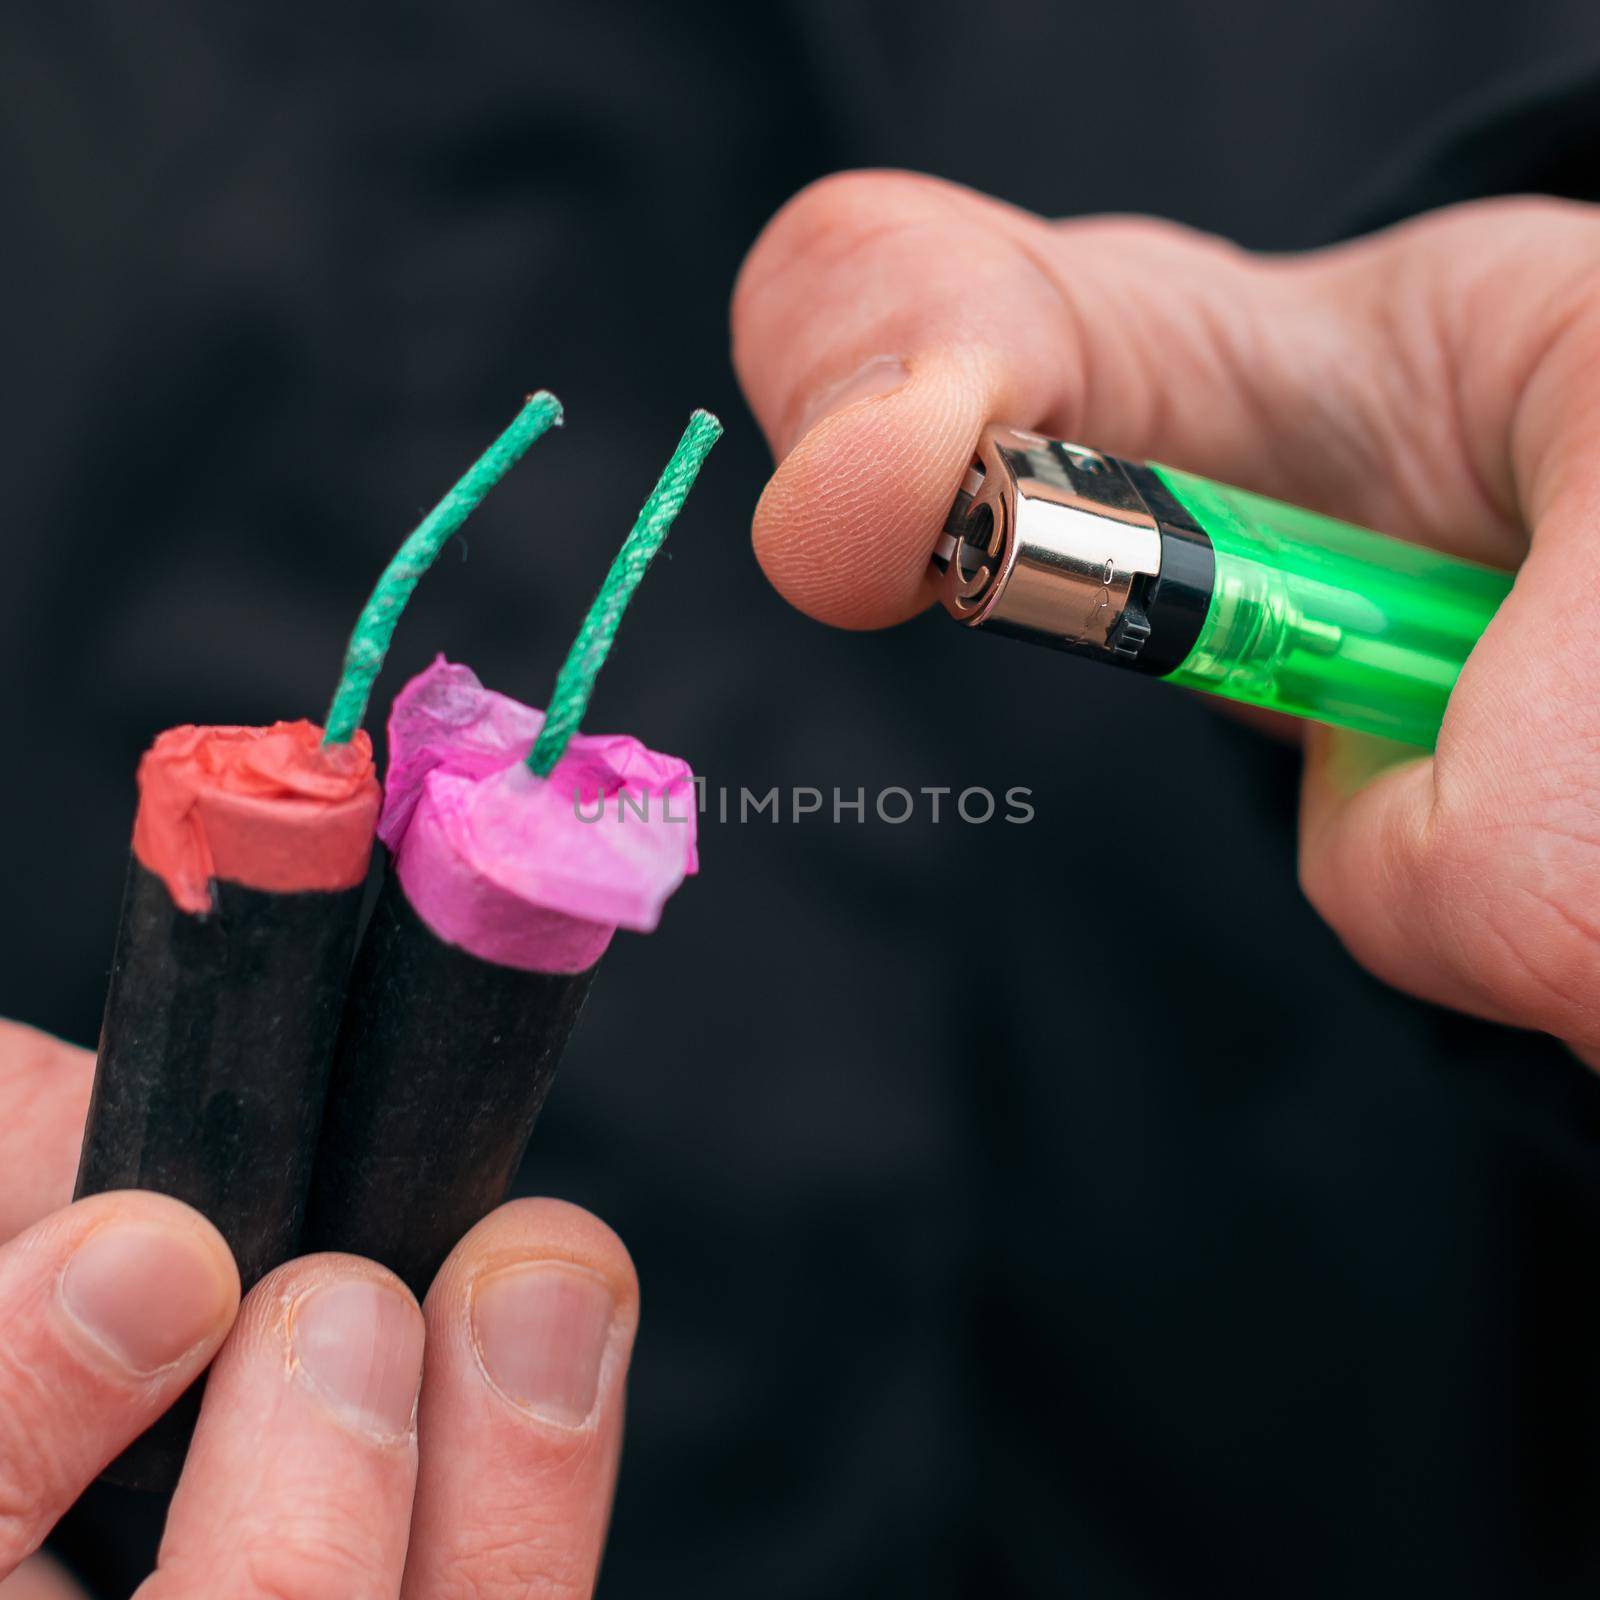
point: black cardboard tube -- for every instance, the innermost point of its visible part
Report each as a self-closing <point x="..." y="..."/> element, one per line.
<point x="443" y="1064"/>
<point x="214" y="1055"/>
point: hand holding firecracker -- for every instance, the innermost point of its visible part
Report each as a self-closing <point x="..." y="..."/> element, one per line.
<point x="305" y="1476"/>
<point x="250" y="853"/>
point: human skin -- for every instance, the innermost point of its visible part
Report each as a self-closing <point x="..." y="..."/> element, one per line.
<point x="1439" y="381"/>
<point x="351" y="1444"/>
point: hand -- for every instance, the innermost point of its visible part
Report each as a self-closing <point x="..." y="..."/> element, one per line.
<point x="305" y="1477"/>
<point x="1439" y="382"/>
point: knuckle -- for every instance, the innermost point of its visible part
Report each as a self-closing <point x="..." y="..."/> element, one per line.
<point x="20" y="1533"/>
<point x="300" y="1572"/>
<point x="1350" y="881"/>
<point x="1511" y="909"/>
<point x="285" y="1563"/>
<point x="1509" y="222"/>
<point x="32" y="1475"/>
<point x="520" y="1563"/>
<point x="1544" y="251"/>
<point x="845" y="203"/>
<point x="830" y="220"/>
<point x="272" y="1573"/>
<point x="1538" y="959"/>
<point x="1158" y="240"/>
<point x="1576" y="219"/>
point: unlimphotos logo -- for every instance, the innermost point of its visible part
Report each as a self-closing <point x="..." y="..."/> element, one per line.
<point x="894" y="805"/>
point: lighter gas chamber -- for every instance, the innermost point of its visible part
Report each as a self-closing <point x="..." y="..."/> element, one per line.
<point x="1209" y="586"/>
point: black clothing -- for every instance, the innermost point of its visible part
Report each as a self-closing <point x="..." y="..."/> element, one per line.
<point x="1012" y="1219"/>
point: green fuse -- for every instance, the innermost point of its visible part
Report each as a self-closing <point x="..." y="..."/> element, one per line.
<point x="1211" y="587"/>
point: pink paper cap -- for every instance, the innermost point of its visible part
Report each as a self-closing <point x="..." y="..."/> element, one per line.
<point x="528" y="872"/>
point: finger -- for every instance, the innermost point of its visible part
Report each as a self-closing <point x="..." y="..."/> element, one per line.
<point x="530" y="1327"/>
<point x="879" y="321"/>
<point x="882" y="319"/>
<point x="300" y="1476"/>
<point x="40" y="1578"/>
<point x="1471" y="879"/>
<point x="112" y="1308"/>
<point x="44" y="1100"/>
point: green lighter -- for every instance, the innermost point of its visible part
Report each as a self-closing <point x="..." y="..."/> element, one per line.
<point x="1210" y="587"/>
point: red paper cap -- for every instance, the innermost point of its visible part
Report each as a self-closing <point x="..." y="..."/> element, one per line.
<point x="271" y="808"/>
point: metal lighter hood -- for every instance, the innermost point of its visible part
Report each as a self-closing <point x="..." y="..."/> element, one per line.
<point x="1065" y="546"/>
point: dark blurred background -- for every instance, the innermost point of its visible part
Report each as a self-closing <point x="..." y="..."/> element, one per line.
<point x="1020" y="1210"/>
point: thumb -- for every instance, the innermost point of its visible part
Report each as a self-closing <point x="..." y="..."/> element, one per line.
<point x="112" y="1307"/>
<point x="879" y="322"/>
<point x="883" y="318"/>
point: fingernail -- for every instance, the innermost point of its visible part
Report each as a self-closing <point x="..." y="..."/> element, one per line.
<point x="871" y="381"/>
<point x="359" y="1345"/>
<point x="149" y="1295"/>
<point x="541" y="1332"/>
